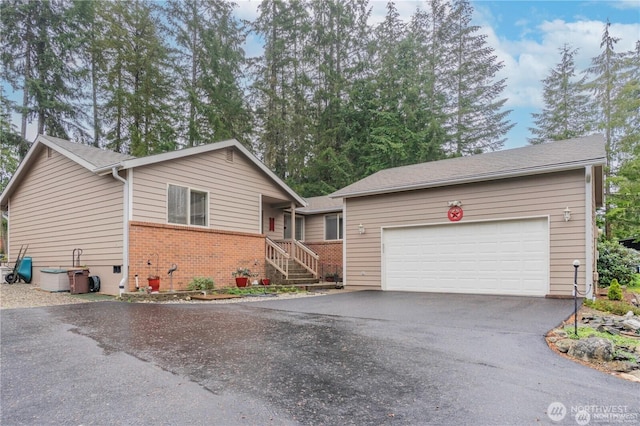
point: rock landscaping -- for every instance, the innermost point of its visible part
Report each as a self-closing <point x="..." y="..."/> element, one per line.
<point x="610" y="343"/>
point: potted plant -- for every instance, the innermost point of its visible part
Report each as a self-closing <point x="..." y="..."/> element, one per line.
<point x="242" y="276"/>
<point x="265" y="281"/>
<point x="153" y="279"/>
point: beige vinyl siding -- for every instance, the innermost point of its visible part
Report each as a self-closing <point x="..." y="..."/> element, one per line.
<point x="61" y="206"/>
<point x="278" y="215"/>
<point x="314" y="227"/>
<point x="537" y="196"/>
<point x="233" y="187"/>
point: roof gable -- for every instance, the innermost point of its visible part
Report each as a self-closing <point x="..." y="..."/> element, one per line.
<point x="554" y="156"/>
<point x="100" y="161"/>
<point x="90" y="157"/>
<point x="231" y="143"/>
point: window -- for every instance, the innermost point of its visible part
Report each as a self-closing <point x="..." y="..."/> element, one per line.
<point x="186" y="206"/>
<point x="333" y="227"/>
<point x="299" y="227"/>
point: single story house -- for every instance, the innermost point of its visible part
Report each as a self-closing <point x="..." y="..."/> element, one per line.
<point x="508" y="222"/>
<point x="209" y="209"/>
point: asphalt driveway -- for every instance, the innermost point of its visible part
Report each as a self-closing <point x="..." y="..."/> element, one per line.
<point x="362" y="358"/>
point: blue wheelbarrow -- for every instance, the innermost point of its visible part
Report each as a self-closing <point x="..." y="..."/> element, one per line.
<point x="22" y="270"/>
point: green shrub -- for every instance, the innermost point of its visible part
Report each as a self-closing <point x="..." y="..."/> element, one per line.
<point x="201" y="283"/>
<point x="615" y="291"/>
<point x="615" y="308"/>
<point x="616" y="261"/>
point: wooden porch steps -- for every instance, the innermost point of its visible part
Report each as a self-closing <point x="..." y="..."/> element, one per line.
<point x="298" y="276"/>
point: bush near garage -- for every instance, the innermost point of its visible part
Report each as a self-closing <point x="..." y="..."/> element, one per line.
<point x="616" y="262"/>
<point x="615" y="291"/>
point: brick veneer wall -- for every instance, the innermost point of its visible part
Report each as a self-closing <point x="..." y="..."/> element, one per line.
<point x="197" y="252"/>
<point x="330" y="253"/>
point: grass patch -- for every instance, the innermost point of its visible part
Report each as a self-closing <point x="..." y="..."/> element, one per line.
<point x="93" y="297"/>
<point x="242" y="291"/>
<point x="612" y="307"/>
<point x="584" y="332"/>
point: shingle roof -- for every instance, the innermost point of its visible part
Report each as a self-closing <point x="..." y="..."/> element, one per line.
<point x="95" y="157"/>
<point x="529" y="160"/>
<point x="321" y="204"/>
<point x="101" y="161"/>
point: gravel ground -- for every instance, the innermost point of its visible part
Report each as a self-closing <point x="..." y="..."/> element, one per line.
<point x="14" y="296"/>
<point x="29" y="296"/>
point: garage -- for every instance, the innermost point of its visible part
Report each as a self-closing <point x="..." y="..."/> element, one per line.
<point x="507" y="222"/>
<point x="509" y="257"/>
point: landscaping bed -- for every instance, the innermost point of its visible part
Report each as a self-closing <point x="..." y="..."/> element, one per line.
<point x="608" y="337"/>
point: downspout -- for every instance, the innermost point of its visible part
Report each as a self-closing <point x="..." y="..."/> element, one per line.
<point x="125" y="230"/>
<point x="590" y="238"/>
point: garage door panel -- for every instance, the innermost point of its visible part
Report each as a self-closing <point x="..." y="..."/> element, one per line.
<point x="501" y="257"/>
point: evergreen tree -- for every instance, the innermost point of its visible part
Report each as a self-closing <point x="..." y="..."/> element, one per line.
<point x="564" y="115"/>
<point x="138" y="116"/>
<point x="476" y="119"/>
<point x="10" y="142"/>
<point x="210" y="62"/>
<point x="340" y="39"/>
<point x="388" y="117"/>
<point x="38" y="57"/>
<point x="624" y="212"/>
<point x="88" y="21"/>
<point x="604" y="71"/>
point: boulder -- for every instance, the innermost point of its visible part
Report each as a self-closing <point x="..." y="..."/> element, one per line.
<point x="607" y="329"/>
<point x="564" y="345"/>
<point x="622" y="366"/>
<point x="560" y="333"/>
<point x="592" y="349"/>
<point x="631" y="324"/>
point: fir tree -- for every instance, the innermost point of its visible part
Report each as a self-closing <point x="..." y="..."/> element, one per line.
<point x="38" y="57"/>
<point x="564" y="115"/>
<point x="604" y="72"/>
<point x="210" y="62"/>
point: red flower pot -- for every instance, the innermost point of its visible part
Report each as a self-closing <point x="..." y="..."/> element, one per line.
<point x="154" y="283"/>
<point x="242" y="281"/>
<point x="266" y="281"/>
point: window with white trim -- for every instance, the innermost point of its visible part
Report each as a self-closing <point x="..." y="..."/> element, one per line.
<point x="333" y="226"/>
<point x="186" y="206"/>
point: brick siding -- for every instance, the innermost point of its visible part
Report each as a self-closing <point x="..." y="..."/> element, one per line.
<point x="197" y="252"/>
<point x="330" y="253"/>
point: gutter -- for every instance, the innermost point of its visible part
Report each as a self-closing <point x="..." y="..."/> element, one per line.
<point x="125" y="230"/>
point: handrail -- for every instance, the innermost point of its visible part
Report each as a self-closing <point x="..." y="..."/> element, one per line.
<point x="280" y="252"/>
<point x="306" y="257"/>
<point x="277" y="257"/>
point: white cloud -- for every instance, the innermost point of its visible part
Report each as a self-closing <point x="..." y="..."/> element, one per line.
<point x="527" y="61"/>
<point x="247" y="9"/>
<point x="626" y="4"/>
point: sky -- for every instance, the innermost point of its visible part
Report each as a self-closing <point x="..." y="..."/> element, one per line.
<point x="525" y="35"/>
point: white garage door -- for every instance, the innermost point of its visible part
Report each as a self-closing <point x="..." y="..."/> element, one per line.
<point x="502" y="257"/>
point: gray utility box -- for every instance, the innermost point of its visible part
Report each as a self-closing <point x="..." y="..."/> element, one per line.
<point x="53" y="279"/>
